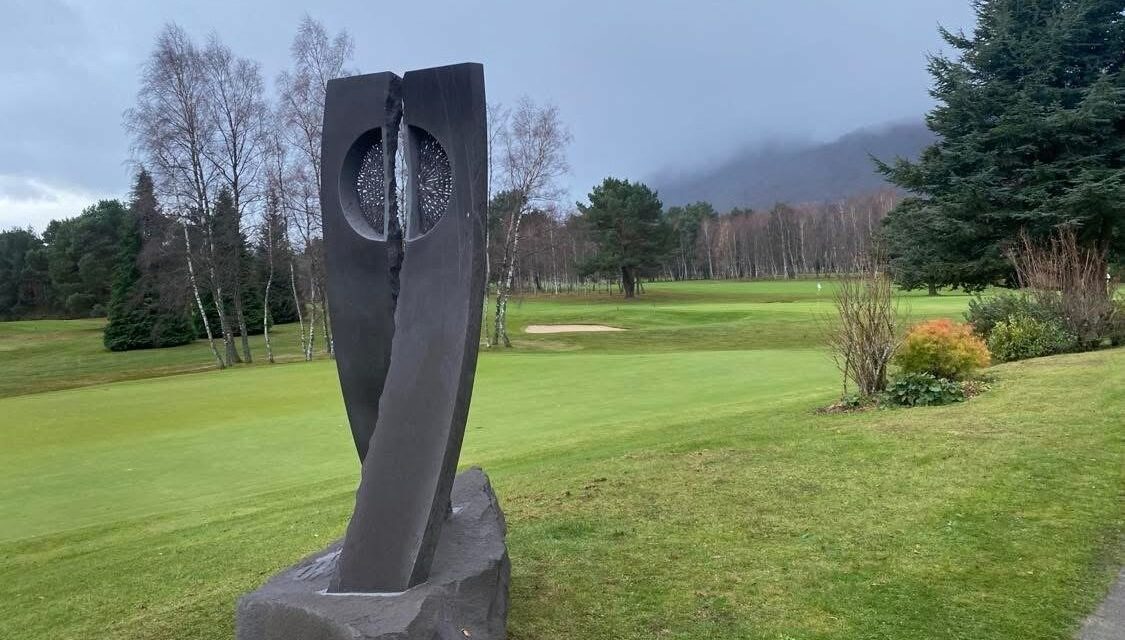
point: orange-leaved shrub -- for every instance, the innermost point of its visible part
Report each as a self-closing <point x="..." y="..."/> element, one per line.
<point x="943" y="348"/>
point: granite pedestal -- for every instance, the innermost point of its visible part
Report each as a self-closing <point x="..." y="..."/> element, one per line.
<point x="466" y="595"/>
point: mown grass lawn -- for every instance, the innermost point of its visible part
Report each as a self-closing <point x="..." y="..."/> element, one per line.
<point x="668" y="481"/>
<point x="45" y="355"/>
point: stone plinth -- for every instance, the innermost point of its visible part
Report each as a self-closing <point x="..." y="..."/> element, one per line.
<point x="466" y="595"/>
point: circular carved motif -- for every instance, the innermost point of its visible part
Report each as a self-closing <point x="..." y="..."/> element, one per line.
<point x="434" y="181"/>
<point x="370" y="186"/>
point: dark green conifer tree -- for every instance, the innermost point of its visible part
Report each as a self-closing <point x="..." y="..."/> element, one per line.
<point x="627" y="224"/>
<point x="25" y="286"/>
<point x="137" y="319"/>
<point x="1031" y="119"/>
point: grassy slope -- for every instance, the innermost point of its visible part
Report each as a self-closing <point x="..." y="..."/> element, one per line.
<point x="44" y="355"/>
<point x="663" y="484"/>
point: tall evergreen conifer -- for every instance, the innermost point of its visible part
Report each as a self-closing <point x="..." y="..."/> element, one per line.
<point x="1031" y="119"/>
<point x="137" y="320"/>
<point x="626" y="222"/>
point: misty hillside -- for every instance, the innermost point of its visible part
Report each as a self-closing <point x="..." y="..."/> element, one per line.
<point x="765" y="175"/>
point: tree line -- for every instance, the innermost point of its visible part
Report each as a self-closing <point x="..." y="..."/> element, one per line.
<point x="570" y="251"/>
<point x="66" y="271"/>
<point x="72" y="269"/>
<point x="126" y="261"/>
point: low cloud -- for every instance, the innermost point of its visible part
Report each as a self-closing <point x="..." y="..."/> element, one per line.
<point x="31" y="202"/>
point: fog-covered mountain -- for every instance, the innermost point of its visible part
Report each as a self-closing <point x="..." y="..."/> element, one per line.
<point x="764" y="175"/>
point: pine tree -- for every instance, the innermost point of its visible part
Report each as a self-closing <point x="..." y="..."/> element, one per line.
<point x="627" y="224"/>
<point x="1031" y="125"/>
<point x="137" y="320"/>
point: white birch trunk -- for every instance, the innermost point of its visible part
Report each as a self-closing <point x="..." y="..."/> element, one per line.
<point x="198" y="299"/>
<point x="503" y="290"/>
<point x="297" y="302"/>
<point x="266" y="317"/>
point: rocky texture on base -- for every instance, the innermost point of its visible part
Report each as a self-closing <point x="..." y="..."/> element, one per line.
<point x="466" y="595"/>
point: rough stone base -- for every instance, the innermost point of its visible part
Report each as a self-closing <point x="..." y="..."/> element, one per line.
<point x="465" y="597"/>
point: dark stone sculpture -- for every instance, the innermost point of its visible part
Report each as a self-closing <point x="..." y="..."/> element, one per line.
<point x="414" y="435"/>
<point x="405" y="304"/>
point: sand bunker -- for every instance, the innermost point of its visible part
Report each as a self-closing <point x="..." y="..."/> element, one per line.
<point x="569" y="328"/>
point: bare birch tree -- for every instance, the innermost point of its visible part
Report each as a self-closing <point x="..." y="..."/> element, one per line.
<point x="275" y="228"/>
<point x="317" y="58"/>
<point x="172" y="132"/>
<point x="272" y="234"/>
<point x="238" y="110"/>
<point x="533" y="158"/>
<point x="497" y="124"/>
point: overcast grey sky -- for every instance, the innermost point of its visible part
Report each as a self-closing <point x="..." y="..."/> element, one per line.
<point x="644" y="85"/>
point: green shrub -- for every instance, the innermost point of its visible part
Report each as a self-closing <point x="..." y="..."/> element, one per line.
<point x="1117" y="324"/>
<point x="943" y="348"/>
<point x="986" y="313"/>
<point x="923" y="389"/>
<point x="1021" y="337"/>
